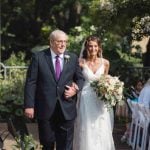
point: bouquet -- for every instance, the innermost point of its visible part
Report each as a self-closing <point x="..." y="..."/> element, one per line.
<point x="109" y="89"/>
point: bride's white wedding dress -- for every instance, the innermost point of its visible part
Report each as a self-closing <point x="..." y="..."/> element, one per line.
<point x="93" y="128"/>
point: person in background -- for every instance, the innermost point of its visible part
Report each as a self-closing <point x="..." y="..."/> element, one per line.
<point x="135" y="90"/>
<point x="144" y="96"/>
<point x="133" y="95"/>
<point x="53" y="80"/>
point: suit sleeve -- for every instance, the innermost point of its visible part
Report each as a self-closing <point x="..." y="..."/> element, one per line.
<point x="31" y="83"/>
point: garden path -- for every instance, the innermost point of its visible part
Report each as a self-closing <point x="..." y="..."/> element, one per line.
<point x="119" y="129"/>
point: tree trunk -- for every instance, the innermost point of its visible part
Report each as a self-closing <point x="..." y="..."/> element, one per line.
<point x="146" y="56"/>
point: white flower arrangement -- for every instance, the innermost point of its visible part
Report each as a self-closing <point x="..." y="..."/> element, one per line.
<point x="141" y="27"/>
<point x="109" y="89"/>
<point x="67" y="58"/>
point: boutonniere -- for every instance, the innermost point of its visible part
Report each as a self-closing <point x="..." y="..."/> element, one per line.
<point x="67" y="58"/>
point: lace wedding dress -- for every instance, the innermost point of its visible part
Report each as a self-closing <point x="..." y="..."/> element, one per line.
<point x="93" y="127"/>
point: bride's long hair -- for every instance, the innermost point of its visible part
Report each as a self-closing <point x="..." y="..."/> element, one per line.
<point x="83" y="53"/>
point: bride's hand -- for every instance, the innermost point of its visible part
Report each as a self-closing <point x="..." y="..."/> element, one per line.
<point x="69" y="91"/>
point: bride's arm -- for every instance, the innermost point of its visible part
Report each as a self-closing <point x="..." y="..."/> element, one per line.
<point x="107" y="66"/>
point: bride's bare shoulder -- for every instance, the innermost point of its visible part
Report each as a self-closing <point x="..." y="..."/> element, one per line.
<point x="107" y="65"/>
<point x="106" y="62"/>
<point x="82" y="62"/>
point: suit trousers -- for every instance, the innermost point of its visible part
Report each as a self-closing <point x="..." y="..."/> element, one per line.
<point x="56" y="130"/>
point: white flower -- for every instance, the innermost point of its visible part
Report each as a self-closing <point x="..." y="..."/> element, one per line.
<point x="93" y="28"/>
<point x="78" y="28"/>
<point x="66" y="57"/>
<point x="109" y="89"/>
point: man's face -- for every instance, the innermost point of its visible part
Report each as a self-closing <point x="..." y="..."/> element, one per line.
<point x="58" y="45"/>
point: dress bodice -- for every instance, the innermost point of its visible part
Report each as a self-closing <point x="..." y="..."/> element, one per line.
<point x="89" y="75"/>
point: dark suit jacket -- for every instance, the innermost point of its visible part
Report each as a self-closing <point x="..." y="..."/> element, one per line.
<point x="42" y="90"/>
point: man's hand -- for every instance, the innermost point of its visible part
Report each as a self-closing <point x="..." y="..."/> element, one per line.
<point x="71" y="90"/>
<point x="29" y="112"/>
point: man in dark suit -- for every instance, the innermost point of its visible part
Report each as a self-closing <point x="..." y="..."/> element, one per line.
<point x="53" y="80"/>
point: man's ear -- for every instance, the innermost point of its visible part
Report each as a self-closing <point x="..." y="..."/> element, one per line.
<point x="51" y="42"/>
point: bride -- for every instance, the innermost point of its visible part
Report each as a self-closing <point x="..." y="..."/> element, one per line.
<point x="93" y="127"/>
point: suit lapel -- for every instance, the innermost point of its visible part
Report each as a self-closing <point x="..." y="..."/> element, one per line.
<point x="50" y="63"/>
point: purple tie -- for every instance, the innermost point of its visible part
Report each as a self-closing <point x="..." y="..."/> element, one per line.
<point x="57" y="67"/>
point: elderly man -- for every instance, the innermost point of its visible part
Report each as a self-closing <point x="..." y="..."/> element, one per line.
<point x="53" y="80"/>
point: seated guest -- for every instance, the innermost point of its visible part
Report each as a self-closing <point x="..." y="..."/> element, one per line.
<point x="135" y="90"/>
<point x="133" y="95"/>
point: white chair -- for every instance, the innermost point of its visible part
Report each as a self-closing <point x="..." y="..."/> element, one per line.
<point x="134" y="123"/>
<point x="142" y="128"/>
<point x="146" y="143"/>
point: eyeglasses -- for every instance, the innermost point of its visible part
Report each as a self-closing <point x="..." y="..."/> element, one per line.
<point x="61" y="41"/>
